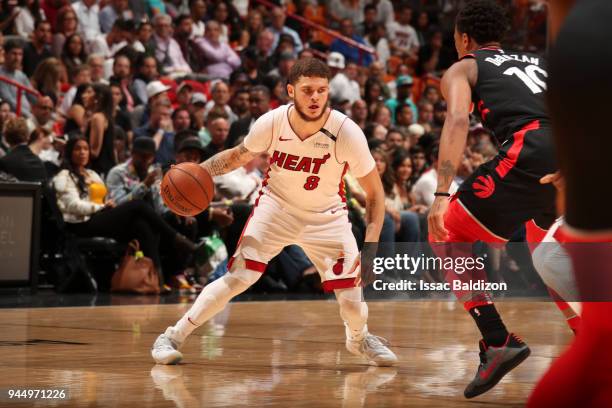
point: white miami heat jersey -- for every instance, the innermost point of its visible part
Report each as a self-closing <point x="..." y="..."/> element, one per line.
<point x="308" y="174"/>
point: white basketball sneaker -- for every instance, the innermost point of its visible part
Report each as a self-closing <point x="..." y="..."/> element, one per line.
<point x="165" y="348"/>
<point x="372" y="348"/>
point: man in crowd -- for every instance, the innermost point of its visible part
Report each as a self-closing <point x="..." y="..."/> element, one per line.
<point x="38" y="48"/>
<point x="87" y="12"/>
<point x="13" y="58"/>
<point x="351" y="53"/>
<point x="220" y="99"/>
<point x="259" y="103"/>
<point x="218" y="128"/>
<point x="159" y="128"/>
<point x="343" y="85"/>
<point x="167" y="51"/>
<point x="20" y="161"/>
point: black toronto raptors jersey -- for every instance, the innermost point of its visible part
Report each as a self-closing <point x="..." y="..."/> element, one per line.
<point x="509" y="92"/>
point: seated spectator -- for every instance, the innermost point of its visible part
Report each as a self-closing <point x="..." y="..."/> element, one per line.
<point x="80" y="111"/>
<point x="38" y="48"/>
<point x="159" y="128"/>
<point x="11" y="69"/>
<point x="146" y="72"/>
<point x="220" y="100"/>
<point x="156" y="91"/>
<point x="197" y="10"/>
<point x="87" y="12"/>
<point x="404" y="118"/>
<point x="112" y="11"/>
<point x="259" y="103"/>
<point x="66" y="25"/>
<point x="47" y="77"/>
<point x="167" y="51"/>
<point x="82" y="76"/>
<point x="95" y="62"/>
<point x="342" y="85"/>
<point x="122" y="76"/>
<point x="394" y="141"/>
<point x="73" y="53"/>
<point x="403" y="37"/>
<point x="81" y="198"/>
<point x="29" y="14"/>
<point x="107" y="45"/>
<point x="405" y="224"/>
<point x="278" y="27"/>
<point x="42" y="114"/>
<point x="43" y="144"/>
<point x="221" y="58"/>
<point x="193" y="53"/>
<point x="419" y="160"/>
<point x="120" y="117"/>
<point x="100" y="131"/>
<point x="359" y="113"/>
<point x="426" y="112"/>
<point x="351" y="53"/>
<point x="20" y="161"/>
<point x="382" y="116"/>
<point x="181" y="120"/>
<point x="240" y="103"/>
<point x="218" y="129"/>
<point x="377" y="39"/>
<point x="404" y="89"/>
<point x="402" y="169"/>
<point x="434" y="58"/>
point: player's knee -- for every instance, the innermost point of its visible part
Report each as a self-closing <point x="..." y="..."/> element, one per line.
<point x="351" y="303"/>
<point x="241" y="279"/>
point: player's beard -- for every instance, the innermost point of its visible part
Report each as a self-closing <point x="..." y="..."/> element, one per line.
<point x="302" y="112"/>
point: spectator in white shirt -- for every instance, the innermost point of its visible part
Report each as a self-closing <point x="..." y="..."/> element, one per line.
<point x="402" y="36"/>
<point x="112" y="11"/>
<point x="343" y="85"/>
<point x="87" y="13"/>
<point x="197" y="9"/>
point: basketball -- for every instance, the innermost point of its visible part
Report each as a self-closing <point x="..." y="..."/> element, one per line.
<point x="187" y="189"/>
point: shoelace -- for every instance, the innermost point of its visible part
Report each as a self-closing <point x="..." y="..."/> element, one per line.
<point x="520" y="340"/>
<point x="373" y="340"/>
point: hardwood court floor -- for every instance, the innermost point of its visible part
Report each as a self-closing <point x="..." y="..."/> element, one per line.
<point x="266" y="354"/>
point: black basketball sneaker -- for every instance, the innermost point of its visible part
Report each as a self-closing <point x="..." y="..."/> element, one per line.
<point x="495" y="363"/>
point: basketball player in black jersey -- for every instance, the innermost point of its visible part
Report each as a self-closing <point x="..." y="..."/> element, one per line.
<point x="506" y="90"/>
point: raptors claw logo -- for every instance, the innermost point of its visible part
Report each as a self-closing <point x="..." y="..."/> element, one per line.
<point x="483" y="186"/>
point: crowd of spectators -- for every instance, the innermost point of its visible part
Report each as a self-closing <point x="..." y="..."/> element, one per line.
<point x="125" y="88"/>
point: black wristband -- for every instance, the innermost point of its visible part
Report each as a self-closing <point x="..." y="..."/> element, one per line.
<point x="437" y="194"/>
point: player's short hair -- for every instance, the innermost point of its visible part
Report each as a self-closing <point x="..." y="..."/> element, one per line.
<point x="308" y="67"/>
<point x="483" y="20"/>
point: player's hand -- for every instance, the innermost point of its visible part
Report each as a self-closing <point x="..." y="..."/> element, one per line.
<point x="435" y="219"/>
<point x="558" y="181"/>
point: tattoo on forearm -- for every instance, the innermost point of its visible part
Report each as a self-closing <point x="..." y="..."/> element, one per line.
<point x="446" y="173"/>
<point x="227" y="161"/>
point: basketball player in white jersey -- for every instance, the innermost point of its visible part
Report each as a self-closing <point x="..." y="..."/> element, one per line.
<point x="301" y="202"/>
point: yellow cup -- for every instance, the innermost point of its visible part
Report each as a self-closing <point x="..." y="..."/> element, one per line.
<point x="97" y="192"/>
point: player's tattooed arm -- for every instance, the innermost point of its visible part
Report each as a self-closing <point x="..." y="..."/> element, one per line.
<point x="458" y="93"/>
<point x="228" y="160"/>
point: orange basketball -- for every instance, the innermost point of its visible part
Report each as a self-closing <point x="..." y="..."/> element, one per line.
<point x="187" y="189"/>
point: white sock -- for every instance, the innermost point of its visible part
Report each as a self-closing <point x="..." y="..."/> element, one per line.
<point x="354" y="312"/>
<point x="213" y="299"/>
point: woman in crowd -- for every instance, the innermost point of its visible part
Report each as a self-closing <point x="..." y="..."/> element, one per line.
<point x="81" y="199"/>
<point x="80" y="112"/>
<point x="66" y="25"/>
<point x="47" y="77"/>
<point x="402" y="170"/>
<point x="100" y="130"/>
<point x="405" y="223"/>
<point x="29" y="14"/>
<point x="73" y="53"/>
